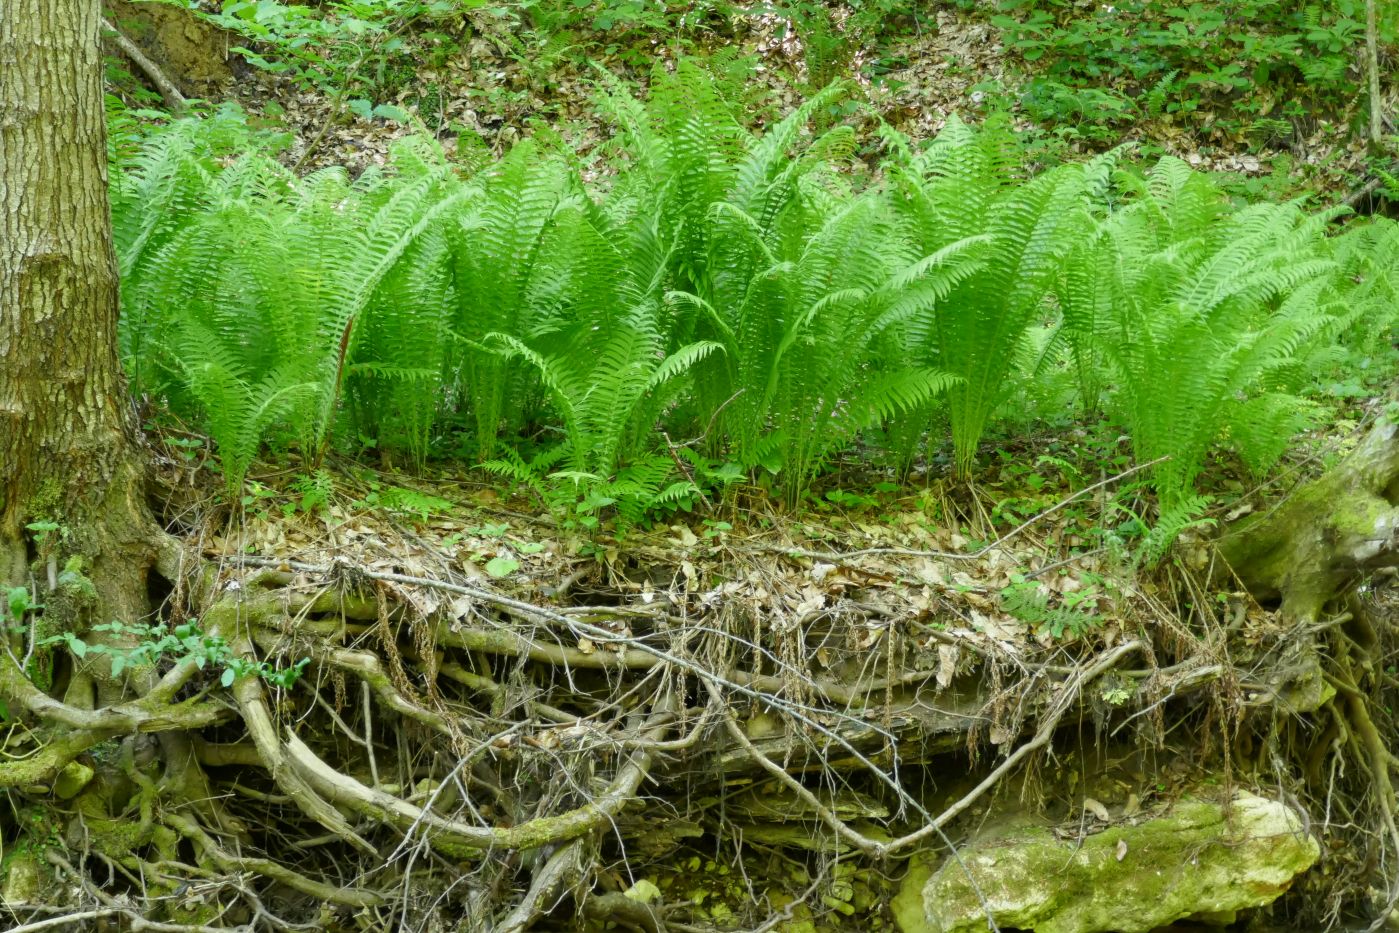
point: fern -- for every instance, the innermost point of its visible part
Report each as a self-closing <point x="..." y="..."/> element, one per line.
<point x="239" y="407"/>
<point x="1207" y="311"/>
<point x="600" y="397"/>
<point x="802" y="341"/>
<point x="964" y="186"/>
<point x="1179" y="514"/>
<point x="731" y="287"/>
<point x="501" y="283"/>
<point x="259" y="291"/>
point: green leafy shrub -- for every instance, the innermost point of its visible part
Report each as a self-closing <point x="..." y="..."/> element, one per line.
<point x="335" y="47"/>
<point x="1251" y="60"/>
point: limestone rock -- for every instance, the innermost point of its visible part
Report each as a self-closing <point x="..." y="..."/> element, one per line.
<point x="25" y="877"/>
<point x="1189" y="862"/>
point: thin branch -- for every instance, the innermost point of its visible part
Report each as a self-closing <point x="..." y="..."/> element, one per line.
<point x="66" y="921"/>
<point x="171" y="94"/>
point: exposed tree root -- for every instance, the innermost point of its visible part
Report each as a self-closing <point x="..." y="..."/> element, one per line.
<point x="449" y="814"/>
<point x="495" y="762"/>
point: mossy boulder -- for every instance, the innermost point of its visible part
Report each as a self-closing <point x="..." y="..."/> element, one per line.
<point x="24" y="877"/>
<point x="1190" y="862"/>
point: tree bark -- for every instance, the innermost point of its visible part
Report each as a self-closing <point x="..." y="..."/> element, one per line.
<point x="1372" y="71"/>
<point x="69" y="451"/>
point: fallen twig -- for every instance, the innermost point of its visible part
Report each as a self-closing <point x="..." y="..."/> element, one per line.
<point x="168" y="91"/>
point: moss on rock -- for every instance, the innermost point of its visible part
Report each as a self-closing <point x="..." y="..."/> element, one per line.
<point x="26" y="876"/>
<point x="1192" y="862"/>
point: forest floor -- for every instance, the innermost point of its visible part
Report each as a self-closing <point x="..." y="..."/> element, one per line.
<point x="487" y="88"/>
<point x="900" y="648"/>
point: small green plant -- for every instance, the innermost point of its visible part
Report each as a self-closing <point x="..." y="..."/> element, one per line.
<point x="1073" y="612"/>
<point x="257" y="499"/>
<point x="1116" y="692"/>
<point x="186" y="641"/>
<point x="18" y="602"/>
<point x="42" y="530"/>
<point x="332" y="46"/>
<point x="852" y="501"/>
<point x="313" y="493"/>
<point x="189" y="448"/>
<point x="1169" y="60"/>
<point x="715" y="530"/>
<point x="637" y="494"/>
<point x="403" y="501"/>
<point x="501" y="566"/>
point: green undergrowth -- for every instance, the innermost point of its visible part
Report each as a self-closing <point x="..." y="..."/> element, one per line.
<point x="727" y="307"/>
<point x="1256" y="71"/>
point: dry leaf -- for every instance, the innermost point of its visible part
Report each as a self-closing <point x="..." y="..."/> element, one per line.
<point x="1097" y="809"/>
<point x="947" y="664"/>
<point x="812" y="600"/>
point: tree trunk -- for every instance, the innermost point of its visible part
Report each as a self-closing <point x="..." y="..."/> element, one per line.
<point x="68" y="439"/>
<point x="1372" y="71"/>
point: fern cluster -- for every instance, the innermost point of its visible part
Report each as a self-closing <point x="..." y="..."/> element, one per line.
<point x="725" y="296"/>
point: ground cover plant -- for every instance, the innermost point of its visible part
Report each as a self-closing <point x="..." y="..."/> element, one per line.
<point x="737" y="287"/>
<point x="1277" y="92"/>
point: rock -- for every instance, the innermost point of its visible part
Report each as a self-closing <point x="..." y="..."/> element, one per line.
<point x="25" y="876"/>
<point x="1188" y="863"/>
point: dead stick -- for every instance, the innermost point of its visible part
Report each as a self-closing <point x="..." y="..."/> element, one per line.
<point x="171" y="94"/>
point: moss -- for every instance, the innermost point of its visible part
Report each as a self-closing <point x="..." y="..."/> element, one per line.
<point x="70" y="606"/>
<point x="106" y="753"/>
<point x="166" y="842"/>
<point x="75" y="581"/>
<point x="116" y="838"/>
<point x="455" y="850"/>
<point x="119" y="836"/>
<point x="1189" y="862"/>
<point x="196" y="914"/>
<point x="45" y="501"/>
<point x="39" y="669"/>
<point x="75" y="589"/>
<point x="1358" y="516"/>
<point x="907" y="904"/>
<point x="26" y="877"/>
<point x="32" y="773"/>
<point x="72" y="779"/>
